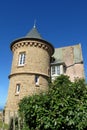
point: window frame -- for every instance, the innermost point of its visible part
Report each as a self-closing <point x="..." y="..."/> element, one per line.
<point x="37" y="80"/>
<point x="55" y="70"/>
<point x="21" y="58"/>
<point x="17" y="88"/>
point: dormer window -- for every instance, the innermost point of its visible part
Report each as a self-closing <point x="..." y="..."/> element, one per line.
<point x="21" y="60"/>
<point x="55" y="70"/>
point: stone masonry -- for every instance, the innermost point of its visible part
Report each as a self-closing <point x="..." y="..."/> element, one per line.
<point x="37" y="56"/>
<point x="37" y="62"/>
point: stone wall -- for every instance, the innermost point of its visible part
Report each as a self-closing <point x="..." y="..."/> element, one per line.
<point x="72" y="56"/>
<point x="37" y="62"/>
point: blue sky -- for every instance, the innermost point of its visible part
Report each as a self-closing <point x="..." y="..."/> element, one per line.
<point x="61" y="22"/>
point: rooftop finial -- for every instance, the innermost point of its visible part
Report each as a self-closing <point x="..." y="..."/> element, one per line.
<point x="34" y="23"/>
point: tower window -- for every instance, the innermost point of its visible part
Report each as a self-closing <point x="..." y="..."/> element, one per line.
<point x="21" y="58"/>
<point x="17" y="88"/>
<point x="36" y="79"/>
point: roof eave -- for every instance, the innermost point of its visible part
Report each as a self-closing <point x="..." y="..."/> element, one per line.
<point x="26" y="38"/>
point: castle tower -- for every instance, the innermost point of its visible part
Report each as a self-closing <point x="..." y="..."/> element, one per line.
<point x="30" y="69"/>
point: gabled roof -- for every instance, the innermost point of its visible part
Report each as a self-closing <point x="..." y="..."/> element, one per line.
<point x="58" y="55"/>
<point x="33" y="33"/>
<point x="61" y="54"/>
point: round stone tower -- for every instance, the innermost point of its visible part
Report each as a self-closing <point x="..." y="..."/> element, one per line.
<point x="30" y="69"/>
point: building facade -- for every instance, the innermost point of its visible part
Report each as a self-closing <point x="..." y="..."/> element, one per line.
<point x="68" y="61"/>
<point x="34" y="61"/>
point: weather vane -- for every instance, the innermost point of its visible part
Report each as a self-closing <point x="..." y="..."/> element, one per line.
<point x="34" y="23"/>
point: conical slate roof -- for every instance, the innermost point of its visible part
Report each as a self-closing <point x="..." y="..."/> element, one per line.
<point x="33" y="33"/>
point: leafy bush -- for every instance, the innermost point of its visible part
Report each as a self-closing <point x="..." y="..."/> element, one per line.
<point x="64" y="107"/>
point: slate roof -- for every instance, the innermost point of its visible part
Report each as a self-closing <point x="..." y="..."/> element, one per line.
<point x="59" y="52"/>
<point x="33" y="33"/>
<point x="58" y="56"/>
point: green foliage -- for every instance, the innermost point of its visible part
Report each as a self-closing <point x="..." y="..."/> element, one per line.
<point x="64" y="107"/>
<point x="5" y="126"/>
